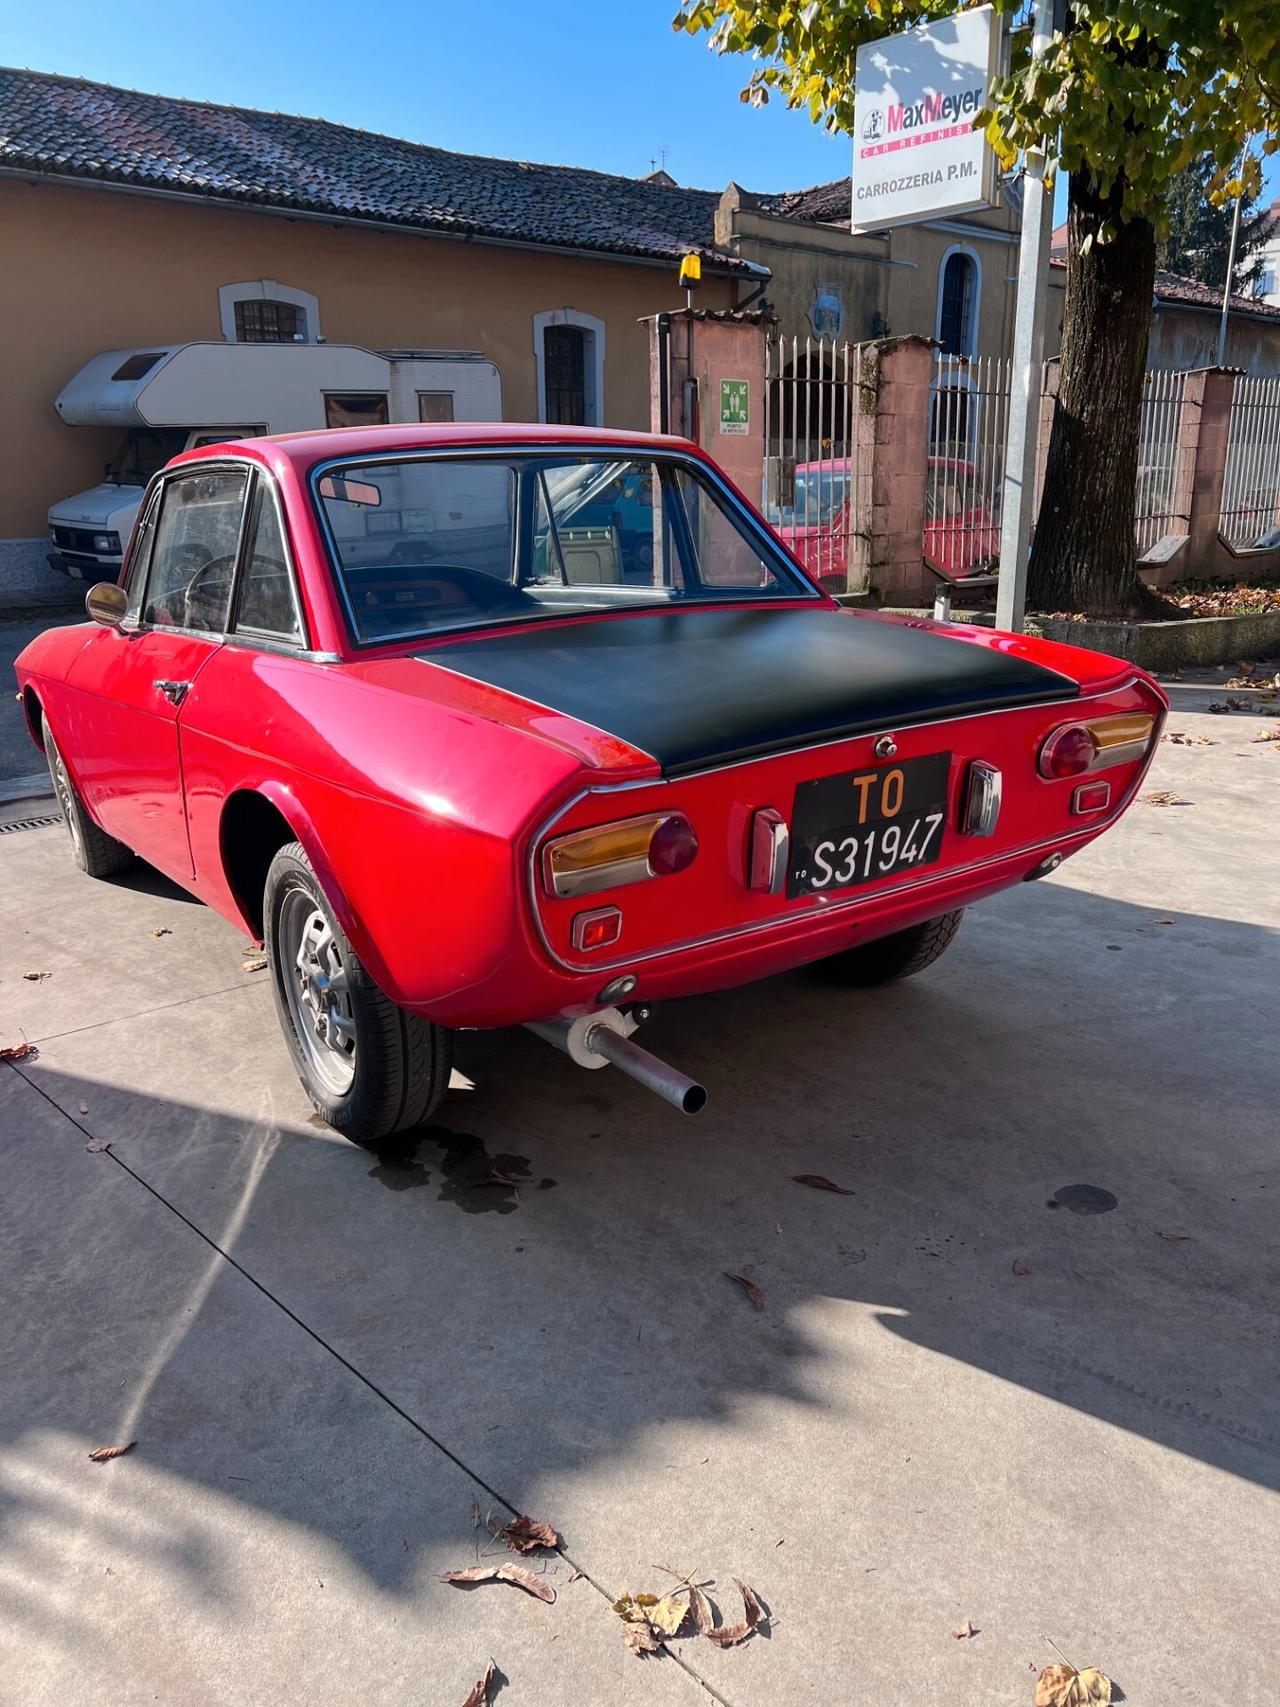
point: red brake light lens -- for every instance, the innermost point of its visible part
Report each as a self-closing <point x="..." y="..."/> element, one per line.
<point x="1069" y="751"/>
<point x="674" y="847"/>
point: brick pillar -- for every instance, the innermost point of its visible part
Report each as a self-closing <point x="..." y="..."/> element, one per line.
<point x="721" y="353"/>
<point x="1044" y="431"/>
<point x="898" y="467"/>
<point x="1205" y="554"/>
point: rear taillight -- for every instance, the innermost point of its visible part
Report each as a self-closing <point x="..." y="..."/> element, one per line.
<point x="1073" y="749"/>
<point x="612" y="855"/>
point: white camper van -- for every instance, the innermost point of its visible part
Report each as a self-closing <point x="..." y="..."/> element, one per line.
<point x="171" y="397"/>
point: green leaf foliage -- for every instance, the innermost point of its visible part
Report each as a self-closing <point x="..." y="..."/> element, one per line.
<point x="1133" y="92"/>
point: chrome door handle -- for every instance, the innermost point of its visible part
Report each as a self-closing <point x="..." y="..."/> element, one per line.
<point x="174" y="692"/>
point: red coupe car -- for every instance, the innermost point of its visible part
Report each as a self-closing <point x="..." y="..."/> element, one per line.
<point x="396" y="703"/>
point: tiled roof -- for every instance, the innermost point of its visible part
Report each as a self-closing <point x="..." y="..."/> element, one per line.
<point x="1181" y="292"/>
<point x="824" y="204"/>
<point x="832" y="204"/>
<point x="64" y="126"/>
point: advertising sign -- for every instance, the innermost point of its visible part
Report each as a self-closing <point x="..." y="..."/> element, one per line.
<point x="734" y="405"/>
<point x="916" y="154"/>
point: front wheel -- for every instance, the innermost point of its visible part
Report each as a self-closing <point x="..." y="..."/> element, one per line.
<point x="369" y="1067"/>
<point x="897" y="956"/>
<point x="93" y="850"/>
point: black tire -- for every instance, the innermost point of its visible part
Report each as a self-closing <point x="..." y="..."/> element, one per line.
<point x="399" y="1064"/>
<point x="898" y="956"/>
<point x="93" y="850"/>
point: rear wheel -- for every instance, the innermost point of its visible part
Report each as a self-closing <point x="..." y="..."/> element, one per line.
<point x="897" y="956"/>
<point x="93" y="850"/>
<point x="369" y="1067"/>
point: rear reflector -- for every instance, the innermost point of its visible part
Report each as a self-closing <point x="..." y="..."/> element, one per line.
<point x="597" y="929"/>
<point x="1091" y="797"/>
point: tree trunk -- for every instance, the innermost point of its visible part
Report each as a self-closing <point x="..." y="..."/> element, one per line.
<point x="1083" y="554"/>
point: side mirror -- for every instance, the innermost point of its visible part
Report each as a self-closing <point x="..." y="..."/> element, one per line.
<point x="107" y="603"/>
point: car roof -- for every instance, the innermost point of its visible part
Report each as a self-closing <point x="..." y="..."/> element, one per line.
<point x="304" y="449"/>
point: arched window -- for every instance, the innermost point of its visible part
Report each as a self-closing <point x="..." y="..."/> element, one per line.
<point x="568" y="350"/>
<point x="264" y="311"/>
<point x="959" y="296"/>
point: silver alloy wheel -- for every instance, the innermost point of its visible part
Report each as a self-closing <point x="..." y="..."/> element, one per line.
<point x="67" y="801"/>
<point x="318" y="991"/>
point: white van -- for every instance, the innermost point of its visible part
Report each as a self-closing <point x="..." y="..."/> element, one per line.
<point x="171" y="397"/>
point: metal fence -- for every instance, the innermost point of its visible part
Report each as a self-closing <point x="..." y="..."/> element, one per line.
<point x="1250" y="511"/>
<point x="811" y="451"/>
<point x="968" y="431"/>
<point x="1163" y="493"/>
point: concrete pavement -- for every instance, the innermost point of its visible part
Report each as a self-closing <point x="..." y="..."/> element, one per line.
<point x="326" y="1354"/>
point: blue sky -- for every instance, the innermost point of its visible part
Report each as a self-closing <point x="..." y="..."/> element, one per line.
<point x="603" y="83"/>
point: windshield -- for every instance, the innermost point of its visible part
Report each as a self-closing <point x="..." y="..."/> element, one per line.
<point x="424" y="545"/>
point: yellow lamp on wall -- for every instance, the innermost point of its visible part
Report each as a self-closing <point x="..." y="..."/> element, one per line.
<point x="691" y="271"/>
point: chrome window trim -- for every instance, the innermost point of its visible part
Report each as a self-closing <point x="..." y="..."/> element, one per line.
<point x="261" y="642"/>
<point x="805" y="589"/>
<point x="821" y="906"/>
<point x="265" y="483"/>
<point x="166" y="478"/>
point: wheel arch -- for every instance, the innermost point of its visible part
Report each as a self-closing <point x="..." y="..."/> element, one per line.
<point x="254" y="824"/>
<point x="33" y="712"/>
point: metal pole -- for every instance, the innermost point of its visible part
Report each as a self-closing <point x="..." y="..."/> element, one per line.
<point x="1231" y="259"/>
<point x="1017" y="512"/>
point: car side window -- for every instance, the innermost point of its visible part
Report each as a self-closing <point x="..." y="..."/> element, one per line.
<point x="267" y="605"/>
<point x="193" y="556"/>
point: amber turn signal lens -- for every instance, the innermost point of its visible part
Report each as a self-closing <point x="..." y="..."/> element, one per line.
<point x="1075" y="748"/>
<point x="618" y="854"/>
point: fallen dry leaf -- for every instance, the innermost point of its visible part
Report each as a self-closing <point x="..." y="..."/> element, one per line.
<point x="255" y="963"/>
<point x="1180" y="739"/>
<point x="102" y="1454"/>
<point x="728" y="1635"/>
<point x="964" y="1630"/>
<point x="821" y="1183"/>
<point x="537" y="1586"/>
<point x="669" y="1614"/>
<point x="1064" y="1686"/>
<point x="162" y="930"/>
<point x="700" y="1610"/>
<point x="36" y="977"/>
<point x="1021" y="1265"/>
<point x="19" y="1052"/>
<point x="1173" y="1238"/>
<point x="84" y="1107"/>
<point x="1165" y="797"/>
<point x="638" y="1634"/>
<point x="639" y="1637"/>
<point x="1268" y="735"/>
<point x="752" y="1291"/>
<point x="478" y="1695"/>
<point x="96" y="1146"/>
<point x="524" y="1535"/>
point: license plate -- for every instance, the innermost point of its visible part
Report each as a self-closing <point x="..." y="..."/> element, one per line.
<point x="864" y="825"/>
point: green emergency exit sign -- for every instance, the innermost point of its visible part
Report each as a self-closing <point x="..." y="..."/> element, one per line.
<point x="734" y="405"/>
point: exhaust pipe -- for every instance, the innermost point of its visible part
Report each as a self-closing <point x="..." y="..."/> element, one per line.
<point x="599" y="1040"/>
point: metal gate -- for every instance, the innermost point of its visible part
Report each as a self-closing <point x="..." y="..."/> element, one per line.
<point x="810" y="487"/>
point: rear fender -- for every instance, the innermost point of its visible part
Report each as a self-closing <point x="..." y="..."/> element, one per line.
<point x="299" y="820"/>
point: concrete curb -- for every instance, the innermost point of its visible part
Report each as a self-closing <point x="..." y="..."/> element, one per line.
<point x="1198" y="641"/>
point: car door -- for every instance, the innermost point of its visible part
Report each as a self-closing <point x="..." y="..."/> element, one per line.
<point x="129" y="683"/>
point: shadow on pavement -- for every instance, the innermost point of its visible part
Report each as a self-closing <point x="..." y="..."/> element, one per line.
<point x="1068" y="1041"/>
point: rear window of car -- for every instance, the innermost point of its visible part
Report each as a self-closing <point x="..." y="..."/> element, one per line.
<point x="424" y="545"/>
